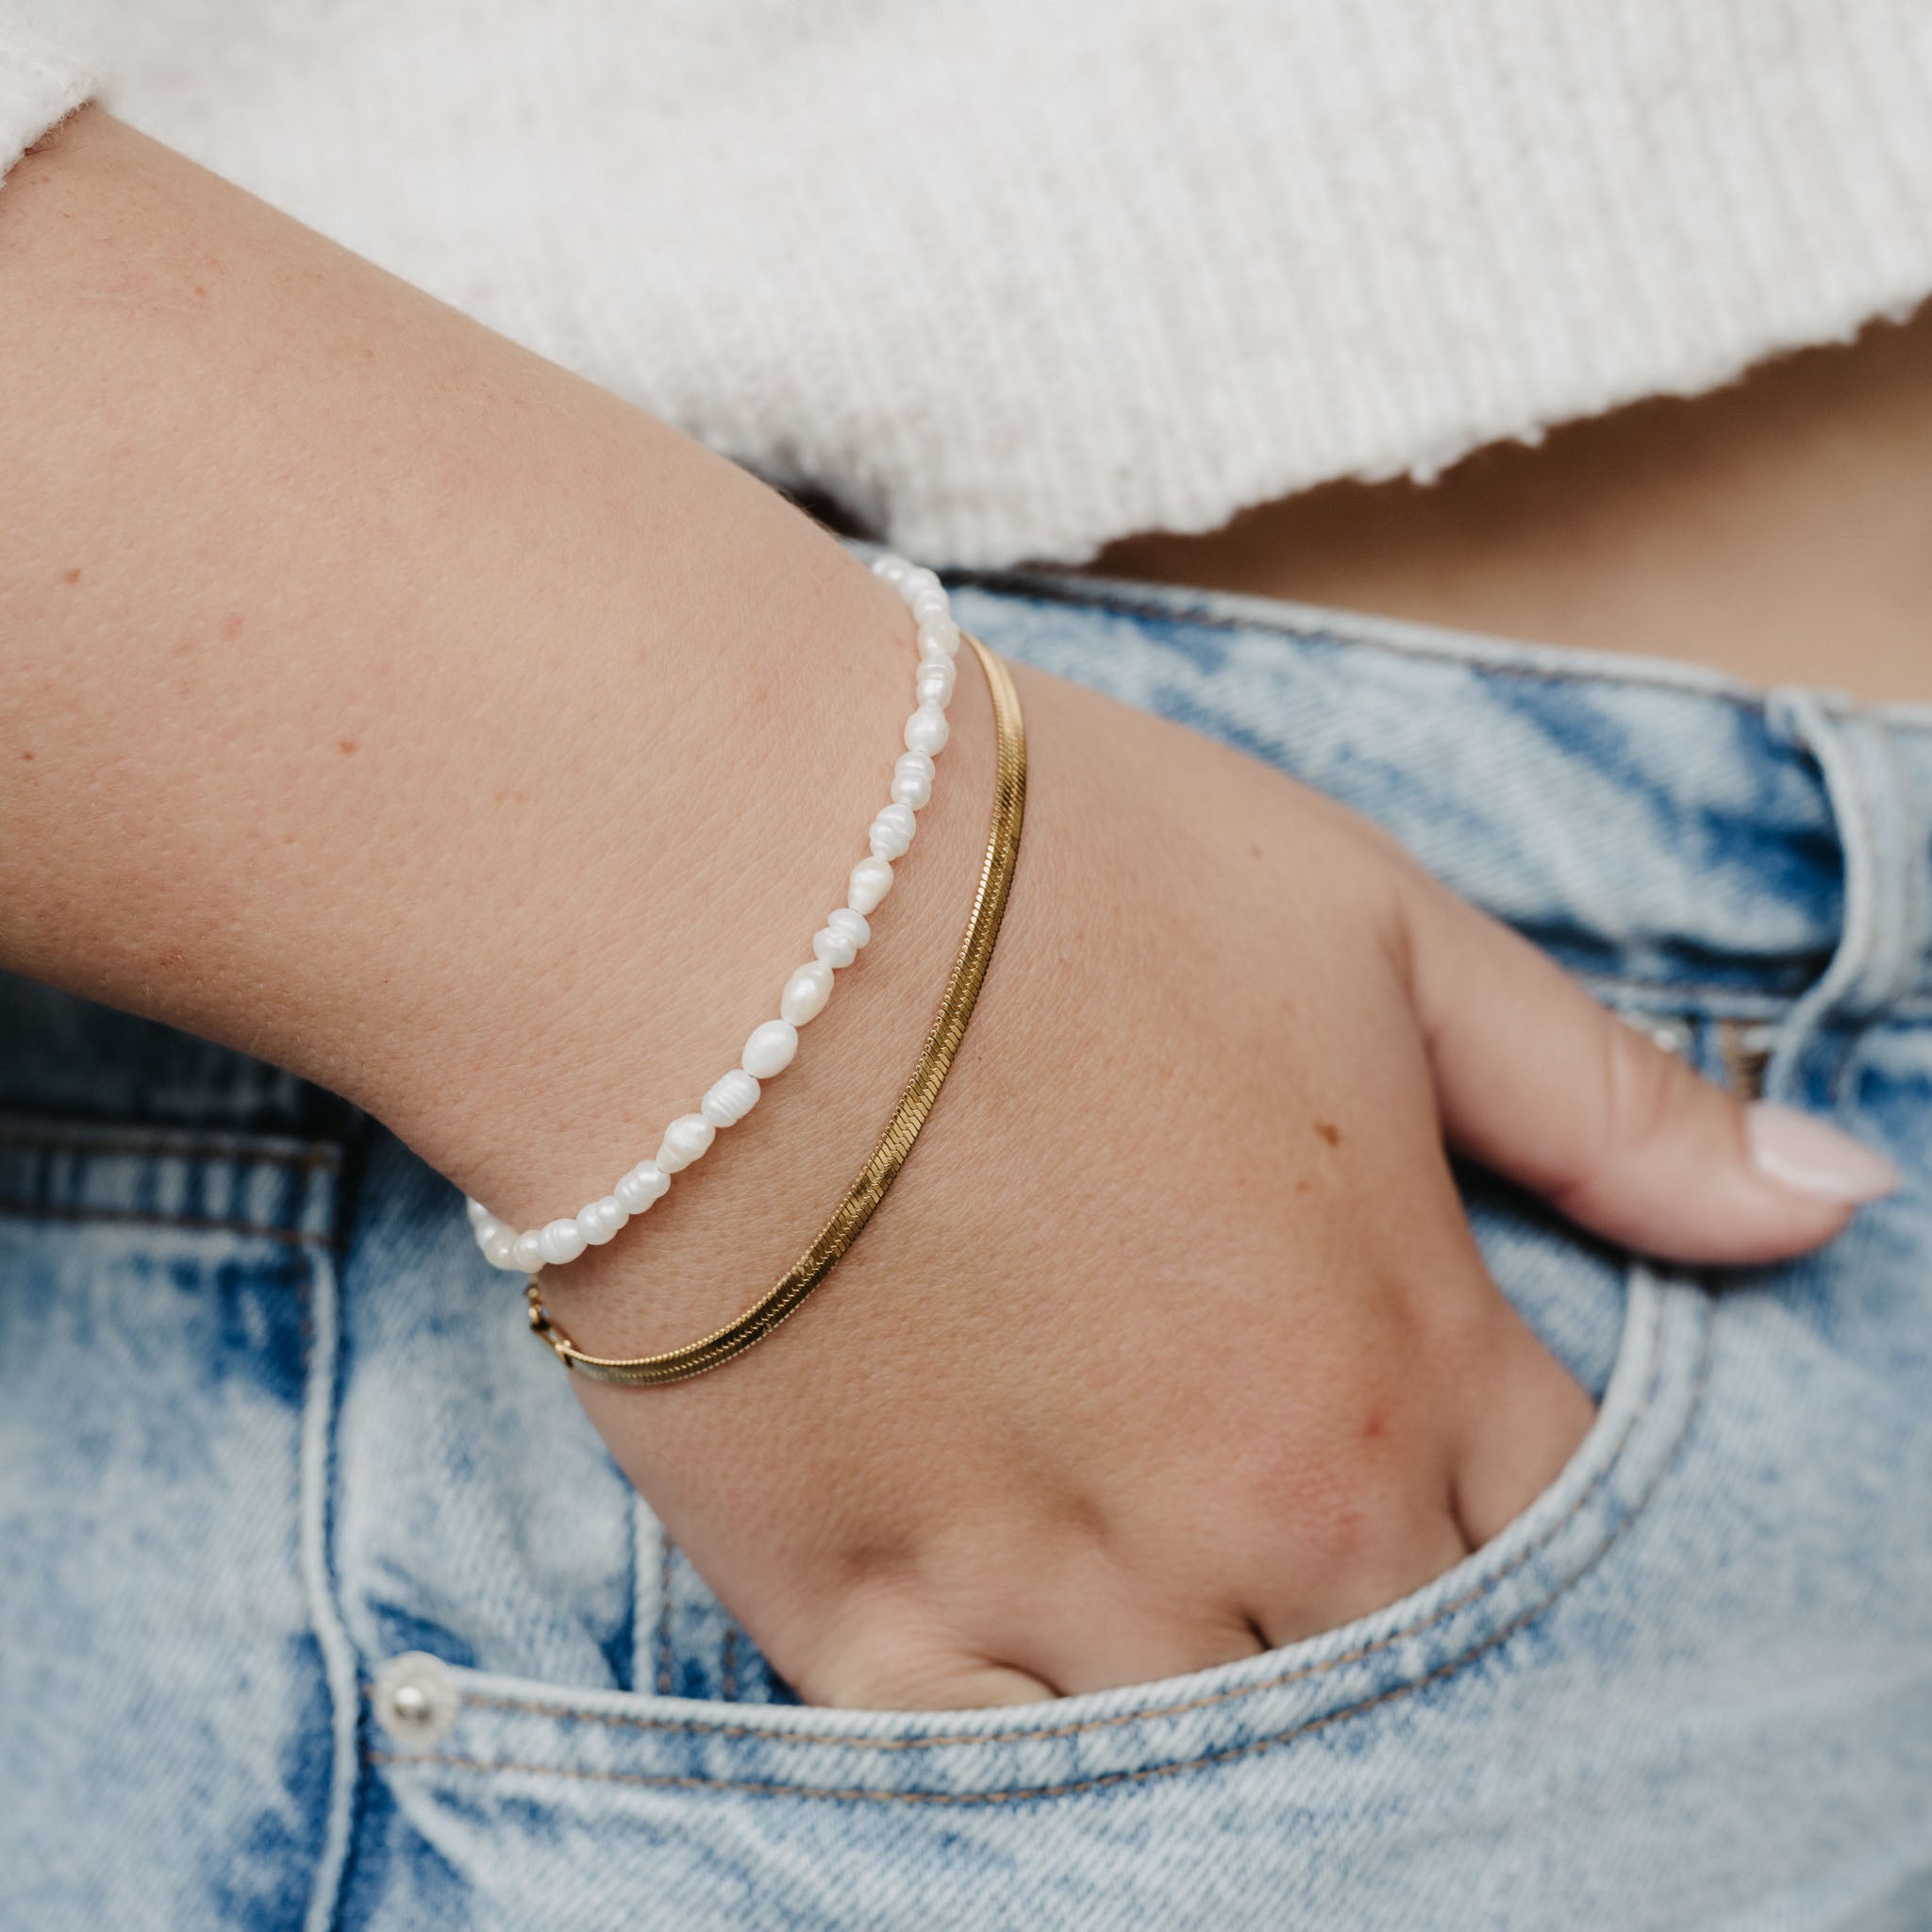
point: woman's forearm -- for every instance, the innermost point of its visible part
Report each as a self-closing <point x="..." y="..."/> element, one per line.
<point x="383" y="700"/>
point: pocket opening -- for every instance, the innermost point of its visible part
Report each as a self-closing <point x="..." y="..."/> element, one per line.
<point x="1130" y="1735"/>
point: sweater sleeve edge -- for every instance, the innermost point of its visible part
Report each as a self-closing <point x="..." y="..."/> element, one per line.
<point x="40" y="86"/>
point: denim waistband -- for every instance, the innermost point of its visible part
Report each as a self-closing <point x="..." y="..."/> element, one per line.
<point x="271" y="1187"/>
<point x="104" y="1114"/>
<point x="1655" y="825"/>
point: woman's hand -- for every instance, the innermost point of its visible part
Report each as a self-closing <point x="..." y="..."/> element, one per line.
<point x="1173" y="1343"/>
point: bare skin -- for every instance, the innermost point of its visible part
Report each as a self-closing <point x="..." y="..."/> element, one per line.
<point x="382" y="700"/>
<point x="1779" y="530"/>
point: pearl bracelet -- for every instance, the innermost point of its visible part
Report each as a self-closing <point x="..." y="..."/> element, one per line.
<point x="944" y="1039"/>
<point x="837" y="944"/>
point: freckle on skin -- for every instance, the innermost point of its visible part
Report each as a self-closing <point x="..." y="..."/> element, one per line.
<point x="1329" y="1132"/>
<point x="71" y="576"/>
<point x="1375" y="1425"/>
<point x="347" y="746"/>
<point x="172" y="957"/>
<point x="26" y="757"/>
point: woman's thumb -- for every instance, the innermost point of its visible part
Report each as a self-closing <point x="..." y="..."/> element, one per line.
<point x="1539" y="1082"/>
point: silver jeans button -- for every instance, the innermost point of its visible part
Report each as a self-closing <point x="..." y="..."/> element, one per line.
<point x="416" y="1698"/>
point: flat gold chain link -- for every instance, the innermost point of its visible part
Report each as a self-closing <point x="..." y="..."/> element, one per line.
<point x="941" y="1042"/>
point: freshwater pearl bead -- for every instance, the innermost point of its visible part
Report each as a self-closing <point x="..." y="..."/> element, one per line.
<point x="647" y="1182"/>
<point x="770" y="1049"/>
<point x="913" y="780"/>
<point x="870" y="880"/>
<point x="685" y="1140"/>
<point x="560" y="1242"/>
<point x="934" y="684"/>
<point x="597" y="1221"/>
<point x="836" y="944"/>
<point x="926" y="730"/>
<point x="851" y="924"/>
<point x="941" y="634"/>
<point x="892" y="830"/>
<point x="806" y="993"/>
<point x="833" y="946"/>
<point x="732" y="1097"/>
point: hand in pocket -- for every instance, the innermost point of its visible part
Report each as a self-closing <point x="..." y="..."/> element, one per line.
<point x="1173" y="1342"/>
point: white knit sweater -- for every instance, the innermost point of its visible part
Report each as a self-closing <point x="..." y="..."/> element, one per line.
<point x="1011" y="277"/>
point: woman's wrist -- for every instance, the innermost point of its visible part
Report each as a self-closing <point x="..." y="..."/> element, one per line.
<point x="735" y="1220"/>
<point x="390" y="703"/>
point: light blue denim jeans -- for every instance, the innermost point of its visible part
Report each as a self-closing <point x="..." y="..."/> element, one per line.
<point x="322" y="1606"/>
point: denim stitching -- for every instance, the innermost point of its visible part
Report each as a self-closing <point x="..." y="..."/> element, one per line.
<point x="1862" y="782"/>
<point x="348" y="1789"/>
<point x="700" y="1728"/>
<point x="51" y="1210"/>
<point x="630" y="1591"/>
<point x="664" y="1579"/>
<point x="55" y="1140"/>
<point x="1105" y="1781"/>
<point x="1918" y="879"/>
<point x="1839" y="997"/>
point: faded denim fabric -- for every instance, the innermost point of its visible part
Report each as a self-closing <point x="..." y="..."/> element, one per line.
<point x="268" y="1426"/>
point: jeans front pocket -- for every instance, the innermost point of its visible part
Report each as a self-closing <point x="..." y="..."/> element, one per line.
<point x="1179" y="1803"/>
